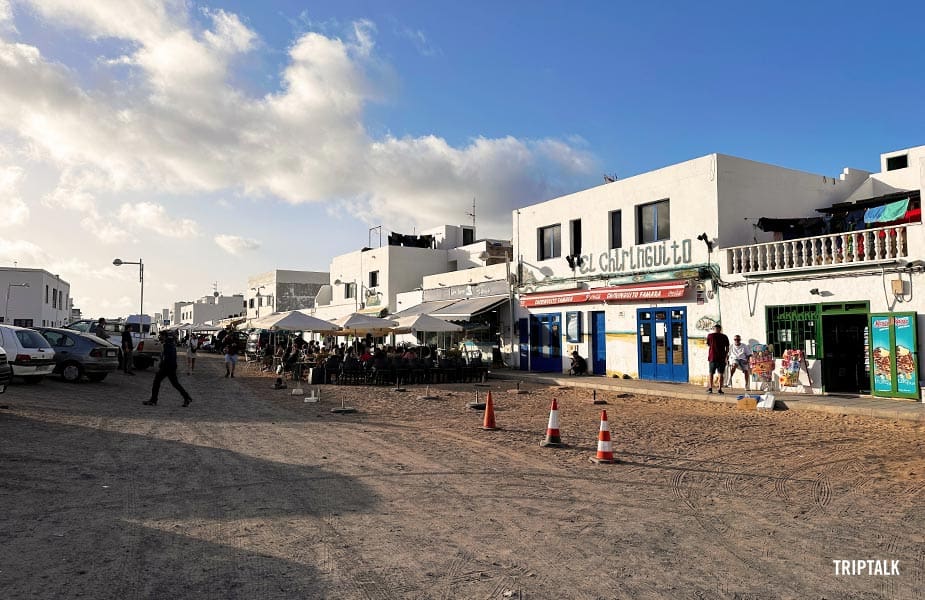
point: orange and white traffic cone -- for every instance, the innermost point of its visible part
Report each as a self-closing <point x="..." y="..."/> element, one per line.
<point x="489" y="422"/>
<point x="552" y="429"/>
<point x="604" y="448"/>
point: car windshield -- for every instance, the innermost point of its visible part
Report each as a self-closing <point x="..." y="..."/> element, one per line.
<point x="32" y="339"/>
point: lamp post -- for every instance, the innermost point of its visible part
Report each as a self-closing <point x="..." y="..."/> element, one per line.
<point x="257" y="289"/>
<point x="6" y="316"/>
<point x="141" y="279"/>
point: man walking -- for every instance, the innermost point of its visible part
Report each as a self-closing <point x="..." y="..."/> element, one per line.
<point x="231" y="353"/>
<point x="718" y="345"/>
<point x="167" y="368"/>
<point x="128" y="346"/>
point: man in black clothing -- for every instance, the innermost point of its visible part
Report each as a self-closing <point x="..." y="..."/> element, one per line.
<point x="167" y="368"/>
<point x="128" y="345"/>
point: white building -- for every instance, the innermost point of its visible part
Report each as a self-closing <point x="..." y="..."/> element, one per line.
<point x="282" y="290"/>
<point x="632" y="274"/>
<point x="211" y="309"/>
<point x="34" y="298"/>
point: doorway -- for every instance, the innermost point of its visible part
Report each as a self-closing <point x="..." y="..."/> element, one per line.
<point x="546" y="343"/>
<point x="662" y="343"/>
<point x="598" y="343"/>
<point x="845" y="365"/>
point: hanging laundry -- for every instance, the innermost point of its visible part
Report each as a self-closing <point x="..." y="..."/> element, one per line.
<point x="886" y="212"/>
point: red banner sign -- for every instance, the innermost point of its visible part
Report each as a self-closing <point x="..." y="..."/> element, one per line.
<point x="623" y="293"/>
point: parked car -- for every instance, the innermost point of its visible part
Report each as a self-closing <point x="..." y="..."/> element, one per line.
<point x="30" y="355"/>
<point x="78" y="354"/>
<point x="147" y="346"/>
<point x="6" y="371"/>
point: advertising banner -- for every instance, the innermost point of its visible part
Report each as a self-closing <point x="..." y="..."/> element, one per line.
<point x="907" y="368"/>
<point x="881" y="354"/>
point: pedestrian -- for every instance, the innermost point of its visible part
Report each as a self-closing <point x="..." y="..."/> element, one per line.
<point x="167" y="368"/>
<point x="579" y="364"/>
<point x="718" y="346"/>
<point x="739" y="355"/>
<point x="191" y="350"/>
<point x="128" y="347"/>
<point x="231" y="353"/>
<point x="99" y="330"/>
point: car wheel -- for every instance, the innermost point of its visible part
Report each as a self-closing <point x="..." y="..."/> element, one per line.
<point x="71" y="372"/>
<point x="33" y="379"/>
<point x="142" y="362"/>
<point x="96" y="376"/>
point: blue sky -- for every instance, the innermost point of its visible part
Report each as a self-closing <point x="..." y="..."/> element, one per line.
<point x="221" y="140"/>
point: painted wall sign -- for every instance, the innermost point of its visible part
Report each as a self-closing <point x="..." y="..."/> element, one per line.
<point x="880" y="340"/>
<point x="651" y="291"/>
<point x="634" y="258"/>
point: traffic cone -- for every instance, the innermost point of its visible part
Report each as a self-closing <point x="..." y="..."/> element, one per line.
<point x="489" y="422"/>
<point x="604" y="448"/>
<point x="552" y="430"/>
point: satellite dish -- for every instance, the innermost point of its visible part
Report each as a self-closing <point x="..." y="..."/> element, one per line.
<point x="215" y="294"/>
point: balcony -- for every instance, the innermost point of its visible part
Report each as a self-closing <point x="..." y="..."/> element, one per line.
<point x="834" y="250"/>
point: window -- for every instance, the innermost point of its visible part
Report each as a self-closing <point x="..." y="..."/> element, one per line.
<point x="46" y="294"/>
<point x="250" y="303"/>
<point x="897" y="162"/>
<point x="794" y="327"/>
<point x="373" y="279"/>
<point x="652" y="222"/>
<point x="575" y="231"/>
<point x="60" y="298"/>
<point x="350" y="290"/>
<point x="549" y="242"/>
<point x="54" y="298"/>
<point x="468" y="236"/>
<point x="616" y="229"/>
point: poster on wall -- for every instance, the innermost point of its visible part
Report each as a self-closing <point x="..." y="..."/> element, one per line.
<point x="880" y="354"/>
<point x="893" y="355"/>
<point x="906" y="365"/>
<point x="573" y="327"/>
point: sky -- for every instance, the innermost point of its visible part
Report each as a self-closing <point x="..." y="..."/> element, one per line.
<point x="216" y="141"/>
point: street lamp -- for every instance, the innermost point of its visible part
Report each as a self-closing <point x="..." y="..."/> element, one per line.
<point x="6" y="316"/>
<point x="257" y="289"/>
<point x="141" y="279"/>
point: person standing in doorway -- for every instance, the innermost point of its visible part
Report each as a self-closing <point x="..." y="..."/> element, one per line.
<point x="231" y="353"/>
<point x="718" y="351"/>
<point x="167" y="368"/>
<point x="738" y="359"/>
<point x="128" y="347"/>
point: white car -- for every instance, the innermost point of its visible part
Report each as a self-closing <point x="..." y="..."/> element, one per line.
<point x="30" y="355"/>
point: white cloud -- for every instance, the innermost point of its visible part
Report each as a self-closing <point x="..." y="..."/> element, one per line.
<point x="15" y="211"/>
<point x="233" y="244"/>
<point x="178" y="125"/>
<point x="153" y="217"/>
<point x="23" y="253"/>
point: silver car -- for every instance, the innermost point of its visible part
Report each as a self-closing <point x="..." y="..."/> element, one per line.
<point x="78" y="354"/>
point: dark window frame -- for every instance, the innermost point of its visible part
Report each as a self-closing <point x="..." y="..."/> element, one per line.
<point x="616" y="233"/>
<point x="555" y="246"/>
<point x="661" y="224"/>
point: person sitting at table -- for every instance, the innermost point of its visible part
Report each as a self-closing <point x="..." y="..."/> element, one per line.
<point x="409" y="354"/>
<point x="366" y="356"/>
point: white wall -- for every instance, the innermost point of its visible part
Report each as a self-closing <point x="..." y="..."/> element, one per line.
<point x="29" y="302"/>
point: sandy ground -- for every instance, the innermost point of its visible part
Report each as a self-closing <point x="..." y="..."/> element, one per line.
<point x="253" y="493"/>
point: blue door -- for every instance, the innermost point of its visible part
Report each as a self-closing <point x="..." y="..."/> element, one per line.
<point x="524" y="345"/>
<point x="662" y="343"/>
<point x="546" y="343"/>
<point x="598" y="343"/>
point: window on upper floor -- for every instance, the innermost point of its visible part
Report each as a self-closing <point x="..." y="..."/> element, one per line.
<point x="652" y="222"/>
<point x="46" y="294"/>
<point x="468" y="236"/>
<point x="54" y="298"/>
<point x="575" y="235"/>
<point x="250" y="303"/>
<point x="897" y="162"/>
<point x="373" y="279"/>
<point x="549" y="242"/>
<point x="616" y="229"/>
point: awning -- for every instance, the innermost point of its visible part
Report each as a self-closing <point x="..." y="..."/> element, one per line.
<point x="424" y="308"/>
<point x="464" y="310"/>
<point x="642" y="291"/>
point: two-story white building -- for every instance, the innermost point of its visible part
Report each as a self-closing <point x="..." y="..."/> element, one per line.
<point x="211" y="309"/>
<point x="34" y="298"/>
<point x="634" y="273"/>
<point x="282" y="290"/>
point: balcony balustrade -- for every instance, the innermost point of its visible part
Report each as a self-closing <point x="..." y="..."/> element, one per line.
<point x="853" y="248"/>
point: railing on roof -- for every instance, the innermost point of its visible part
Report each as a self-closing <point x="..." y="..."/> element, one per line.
<point x="869" y="246"/>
